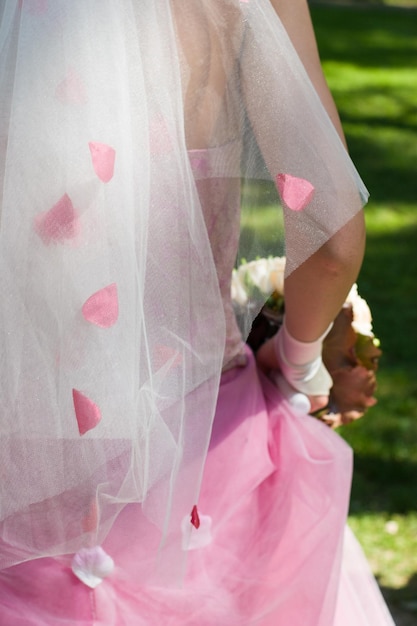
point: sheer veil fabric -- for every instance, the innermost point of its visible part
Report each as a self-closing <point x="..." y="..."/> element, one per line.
<point x="126" y="130"/>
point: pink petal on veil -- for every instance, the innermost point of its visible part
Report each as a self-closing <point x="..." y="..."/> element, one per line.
<point x="59" y="223"/>
<point x="102" y="308"/>
<point x="295" y="192"/>
<point x="103" y="157"/>
<point x="87" y="412"/>
<point x="71" y="89"/>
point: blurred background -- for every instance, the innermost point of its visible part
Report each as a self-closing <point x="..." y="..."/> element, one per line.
<point x="369" y="54"/>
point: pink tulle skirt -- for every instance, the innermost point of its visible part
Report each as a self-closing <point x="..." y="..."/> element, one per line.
<point x="269" y="549"/>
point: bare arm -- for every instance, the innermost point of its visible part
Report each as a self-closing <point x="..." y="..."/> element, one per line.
<point x="317" y="289"/>
<point x="295" y="16"/>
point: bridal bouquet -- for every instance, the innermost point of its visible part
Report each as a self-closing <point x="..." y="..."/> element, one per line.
<point x="350" y="351"/>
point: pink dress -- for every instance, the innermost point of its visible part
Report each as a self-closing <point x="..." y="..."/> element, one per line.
<point x="268" y="550"/>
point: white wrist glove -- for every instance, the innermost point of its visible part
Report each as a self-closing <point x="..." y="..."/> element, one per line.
<point x="301" y="363"/>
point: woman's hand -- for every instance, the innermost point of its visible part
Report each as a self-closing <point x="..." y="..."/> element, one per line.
<point x="267" y="362"/>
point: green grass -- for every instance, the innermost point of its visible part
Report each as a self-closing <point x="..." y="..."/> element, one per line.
<point x="388" y="538"/>
<point x="370" y="60"/>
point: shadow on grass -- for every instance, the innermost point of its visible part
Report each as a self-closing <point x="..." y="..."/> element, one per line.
<point x="386" y="162"/>
<point x="367" y="36"/>
<point x="385" y="475"/>
<point x="386" y="486"/>
<point x="403" y="602"/>
<point x="388" y="280"/>
<point x="361" y="53"/>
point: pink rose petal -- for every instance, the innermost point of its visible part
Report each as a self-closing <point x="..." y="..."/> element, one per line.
<point x="92" y="566"/>
<point x="195" y="520"/>
<point x="102" y="308"/>
<point x="193" y="538"/>
<point x="295" y="192"/>
<point x="71" y="90"/>
<point x="59" y="223"/>
<point x="103" y="157"/>
<point x="87" y="412"/>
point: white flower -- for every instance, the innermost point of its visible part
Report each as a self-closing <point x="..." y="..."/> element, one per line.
<point x="362" y="318"/>
<point x="265" y="275"/>
<point x="259" y="274"/>
<point x="277" y="274"/>
<point x="239" y="294"/>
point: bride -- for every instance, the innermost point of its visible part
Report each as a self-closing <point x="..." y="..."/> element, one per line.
<point x="151" y="472"/>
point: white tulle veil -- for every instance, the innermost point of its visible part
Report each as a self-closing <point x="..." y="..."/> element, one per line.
<point x="112" y="328"/>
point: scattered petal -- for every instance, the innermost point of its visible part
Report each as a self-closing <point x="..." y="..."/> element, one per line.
<point x="193" y="539"/>
<point x="71" y="90"/>
<point x="295" y="192"/>
<point x="87" y="412"/>
<point x="103" y="157"/>
<point x="195" y="519"/>
<point x="59" y="223"/>
<point x="92" y="566"/>
<point x="102" y="308"/>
